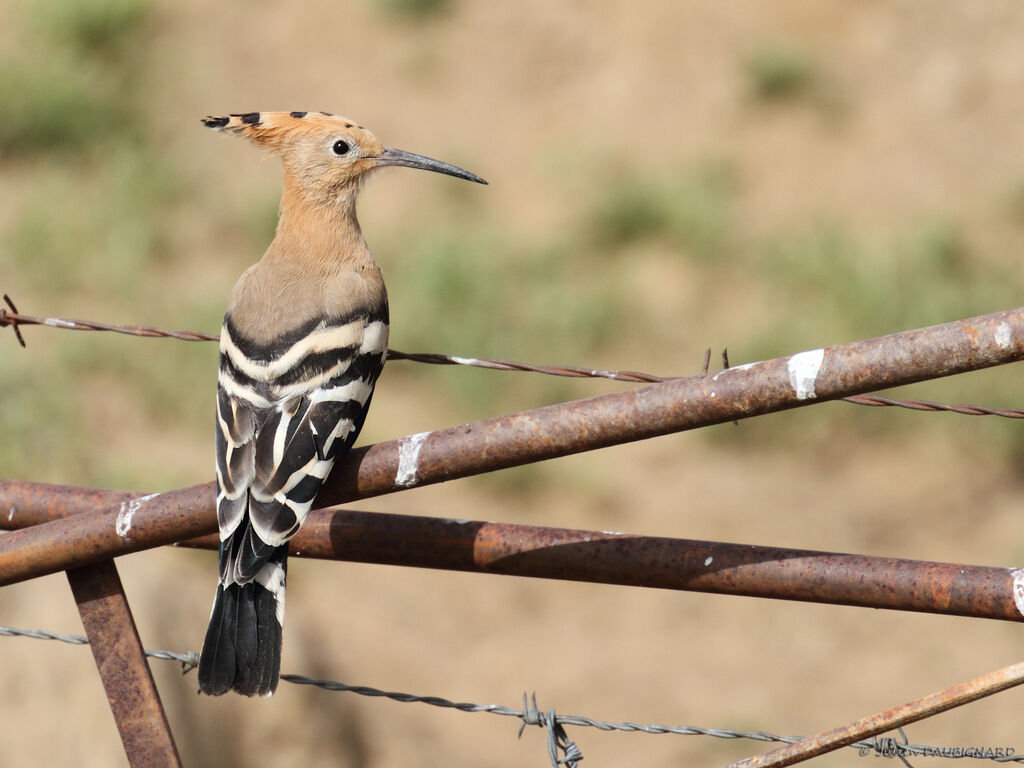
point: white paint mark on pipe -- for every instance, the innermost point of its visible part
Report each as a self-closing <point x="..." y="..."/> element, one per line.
<point x="803" y="372"/>
<point x="1018" y="589"/>
<point x="409" y="459"/>
<point x="128" y="509"/>
<point x="1003" y="336"/>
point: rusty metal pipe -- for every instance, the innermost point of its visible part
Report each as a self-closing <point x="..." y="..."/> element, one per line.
<point x="542" y="433"/>
<point x="135" y="523"/>
<point x="653" y="561"/>
<point x="123" y="667"/>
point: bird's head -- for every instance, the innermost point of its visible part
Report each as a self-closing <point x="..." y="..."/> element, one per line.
<point x="325" y="156"/>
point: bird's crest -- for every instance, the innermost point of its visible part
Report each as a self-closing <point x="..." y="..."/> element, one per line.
<point x="274" y="131"/>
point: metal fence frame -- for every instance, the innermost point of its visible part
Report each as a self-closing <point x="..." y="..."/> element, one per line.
<point x="81" y="530"/>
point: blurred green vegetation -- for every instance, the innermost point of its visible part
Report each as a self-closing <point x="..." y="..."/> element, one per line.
<point x="690" y="211"/>
<point x="416" y="9"/>
<point x="1015" y="203"/>
<point x="852" y="286"/>
<point x="786" y="72"/>
<point x="84" y="93"/>
<point x="95" y="29"/>
<point x="779" y="71"/>
<point x="644" y="261"/>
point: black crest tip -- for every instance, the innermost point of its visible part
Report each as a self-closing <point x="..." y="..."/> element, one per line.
<point x="215" y="122"/>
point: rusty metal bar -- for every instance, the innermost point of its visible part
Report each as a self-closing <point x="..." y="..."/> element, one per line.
<point x="654" y="561"/>
<point x="141" y="522"/>
<point x="122" y="665"/>
<point x="25" y="504"/>
<point x="889" y="720"/>
<point x="541" y="434"/>
<point x="661" y="562"/>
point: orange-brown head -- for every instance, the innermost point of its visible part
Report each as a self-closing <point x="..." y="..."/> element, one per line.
<point x="325" y="156"/>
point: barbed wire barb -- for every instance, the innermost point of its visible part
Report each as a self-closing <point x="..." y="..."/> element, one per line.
<point x="13" y="322"/>
<point x="558" y="740"/>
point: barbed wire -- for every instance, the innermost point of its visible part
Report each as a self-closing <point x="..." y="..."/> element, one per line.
<point x="15" y="319"/>
<point x="188" y="660"/>
<point x="554" y="723"/>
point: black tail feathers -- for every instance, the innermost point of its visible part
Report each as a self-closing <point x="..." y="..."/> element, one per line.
<point x="242" y="650"/>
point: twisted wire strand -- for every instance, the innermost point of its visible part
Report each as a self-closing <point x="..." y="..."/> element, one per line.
<point x="15" y="319"/>
<point x="188" y="660"/>
<point x="530" y="714"/>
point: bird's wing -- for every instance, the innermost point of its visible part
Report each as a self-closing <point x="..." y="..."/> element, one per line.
<point x="274" y="453"/>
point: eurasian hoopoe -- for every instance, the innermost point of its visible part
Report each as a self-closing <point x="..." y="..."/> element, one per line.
<point x="303" y="341"/>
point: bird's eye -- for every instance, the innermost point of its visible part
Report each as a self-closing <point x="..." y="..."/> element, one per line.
<point x="340" y="148"/>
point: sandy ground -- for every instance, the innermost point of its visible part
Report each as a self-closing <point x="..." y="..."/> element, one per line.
<point x="931" y="104"/>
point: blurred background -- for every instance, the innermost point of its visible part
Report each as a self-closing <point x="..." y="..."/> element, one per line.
<point x="665" y="177"/>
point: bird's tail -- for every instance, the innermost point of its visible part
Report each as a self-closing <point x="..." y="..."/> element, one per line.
<point x="242" y="650"/>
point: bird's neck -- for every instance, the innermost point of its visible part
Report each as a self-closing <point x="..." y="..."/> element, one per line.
<point x="319" y="237"/>
<point x="317" y="266"/>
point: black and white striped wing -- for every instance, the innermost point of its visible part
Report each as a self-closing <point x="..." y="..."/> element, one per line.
<point x="280" y="432"/>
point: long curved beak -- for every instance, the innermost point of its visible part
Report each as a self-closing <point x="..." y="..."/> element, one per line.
<point x="392" y="156"/>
